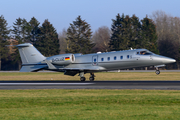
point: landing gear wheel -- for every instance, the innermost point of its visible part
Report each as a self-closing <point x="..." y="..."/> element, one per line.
<point x="157" y="72"/>
<point x="82" y="78"/>
<point x="91" y="78"/>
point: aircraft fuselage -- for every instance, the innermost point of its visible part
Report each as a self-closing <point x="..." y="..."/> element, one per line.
<point x="116" y="60"/>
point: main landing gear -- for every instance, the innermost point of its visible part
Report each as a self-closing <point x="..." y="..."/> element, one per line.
<point x="157" y="71"/>
<point x="92" y="77"/>
<point x="82" y="78"/>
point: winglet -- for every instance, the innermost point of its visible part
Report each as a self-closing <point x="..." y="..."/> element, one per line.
<point x="50" y="66"/>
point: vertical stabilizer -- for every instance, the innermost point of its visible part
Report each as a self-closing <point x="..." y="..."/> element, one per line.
<point x="29" y="54"/>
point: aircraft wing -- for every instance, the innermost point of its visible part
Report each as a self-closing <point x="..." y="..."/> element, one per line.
<point x="74" y="71"/>
<point x="82" y="69"/>
<point x="87" y="68"/>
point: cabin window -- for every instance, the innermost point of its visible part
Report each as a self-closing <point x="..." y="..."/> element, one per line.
<point x="114" y="57"/>
<point x="142" y="52"/>
<point x="102" y="59"/>
<point x="138" y="53"/>
<point x="108" y="58"/>
<point x="121" y="57"/>
<point x="127" y="56"/>
<point x="94" y="60"/>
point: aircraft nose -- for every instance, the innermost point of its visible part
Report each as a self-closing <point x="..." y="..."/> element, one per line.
<point x="167" y="60"/>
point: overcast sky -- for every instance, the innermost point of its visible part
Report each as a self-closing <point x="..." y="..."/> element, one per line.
<point x="97" y="13"/>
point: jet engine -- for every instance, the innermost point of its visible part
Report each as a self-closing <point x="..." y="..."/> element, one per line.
<point x="63" y="59"/>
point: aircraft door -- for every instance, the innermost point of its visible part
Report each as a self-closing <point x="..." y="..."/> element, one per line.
<point x="94" y="60"/>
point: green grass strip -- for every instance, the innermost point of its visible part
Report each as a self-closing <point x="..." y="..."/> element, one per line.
<point x="89" y="104"/>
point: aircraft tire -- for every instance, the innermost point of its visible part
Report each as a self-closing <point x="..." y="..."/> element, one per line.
<point x="91" y="79"/>
<point x="157" y="72"/>
<point x="82" y="78"/>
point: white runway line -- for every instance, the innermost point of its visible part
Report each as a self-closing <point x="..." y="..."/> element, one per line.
<point x="1" y="84"/>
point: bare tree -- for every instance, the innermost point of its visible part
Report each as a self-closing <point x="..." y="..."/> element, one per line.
<point x="168" y="30"/>
<point x="166" y="24"/>
<point x="162" y="21"/>
<point x="62" y="41"/>
<point x="175" y="28"/>
<point x="101" y="37"/>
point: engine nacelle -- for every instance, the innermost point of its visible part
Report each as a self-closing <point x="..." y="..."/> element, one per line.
<point x="64" y="59"/>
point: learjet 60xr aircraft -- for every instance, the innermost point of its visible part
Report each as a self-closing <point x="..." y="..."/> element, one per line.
<point x="72" y="64"/>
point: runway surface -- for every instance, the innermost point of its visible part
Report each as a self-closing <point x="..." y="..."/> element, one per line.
<point x="157" y="85"/>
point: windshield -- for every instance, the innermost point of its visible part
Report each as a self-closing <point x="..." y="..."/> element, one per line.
<point x="144" y="53"/>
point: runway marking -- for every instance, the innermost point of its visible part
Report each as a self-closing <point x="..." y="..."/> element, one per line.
<point x="1" y="84"/>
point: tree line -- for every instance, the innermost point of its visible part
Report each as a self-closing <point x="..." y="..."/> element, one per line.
<point x="44" y="38"/>
<point x="159" y="34"/>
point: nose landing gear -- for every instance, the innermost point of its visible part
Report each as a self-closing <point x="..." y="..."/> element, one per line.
<point x="157" y="71"/>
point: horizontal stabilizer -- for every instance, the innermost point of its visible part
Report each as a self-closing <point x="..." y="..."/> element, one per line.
<point x="21" y="45"/>
<point x="32" y="68"/>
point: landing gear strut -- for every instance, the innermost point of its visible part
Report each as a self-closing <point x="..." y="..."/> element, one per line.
<point x="81" y="74"/>
<point x="157" y="71"/>
<point x="92" y="77"/>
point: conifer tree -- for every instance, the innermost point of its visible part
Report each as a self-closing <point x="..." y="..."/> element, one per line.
<point x="25" y="30"/>
<point x="4" y="32"/>
<point x="17" y="28"/>
<point x="130" y="32"/>
<point x="79" y="37"/>
<point x="34" y="29"/>
<point x="148" y="35"/>
<point x="135" y="32"/>
<point x="47" y="42"/>
<point x="127" y="32"/>
<point x="21" y="30"/>
<point x="119" y="38"/>
<point x="3" y="50"/>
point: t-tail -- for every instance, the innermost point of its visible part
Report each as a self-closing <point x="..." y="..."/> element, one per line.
<point x="31" y="58"/>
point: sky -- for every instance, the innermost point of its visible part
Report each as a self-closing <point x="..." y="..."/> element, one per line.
<point x="97" y="13"/>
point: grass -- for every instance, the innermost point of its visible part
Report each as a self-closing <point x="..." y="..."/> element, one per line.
<point x="89" y="104"/>
<point x="82" y="104"/>
<point x="99" y="76"/>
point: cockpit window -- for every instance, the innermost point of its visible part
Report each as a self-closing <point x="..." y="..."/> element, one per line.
<point x="144" y="53"/>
